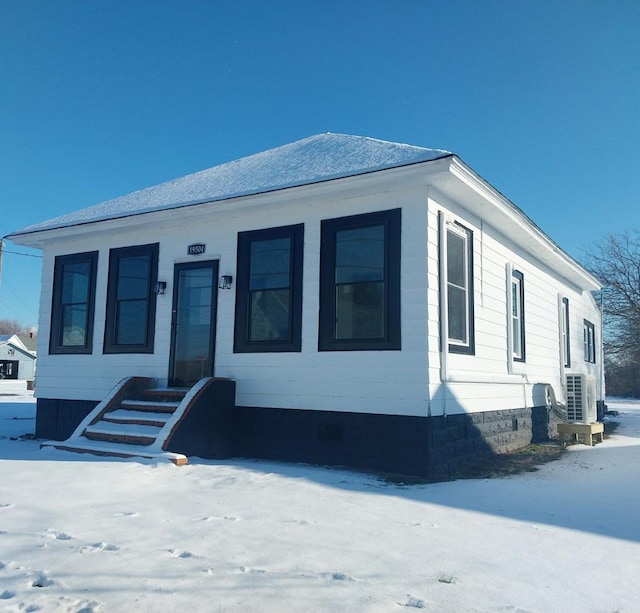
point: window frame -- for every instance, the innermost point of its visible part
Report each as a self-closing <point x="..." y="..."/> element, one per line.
<point x="517" y="278"/>
<point x="241" y="341"/>
<point x="111" y="323"/>
<point x="57" y="310"/>
<point x="459" y="346"/>
<point x="589" y="341"/>
<point x="391" y="221"/>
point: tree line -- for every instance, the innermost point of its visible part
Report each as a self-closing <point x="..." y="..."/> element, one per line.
<point x="12" y="326"/>
<point x="615" y="262"/>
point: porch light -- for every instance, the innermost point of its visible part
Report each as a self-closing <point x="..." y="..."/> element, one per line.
<point x="159" y="287"/>
<point x="225" y="282"/>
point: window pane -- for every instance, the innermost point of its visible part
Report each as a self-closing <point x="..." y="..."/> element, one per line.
<point x="589" y="342"/>
<point x="72" y="306"/>
<point x="194" y="299"/>
<point x="360" y="263"/>
<point x="456" y="259"/>
<point x="515" y="299"/>
<point x="269" y="315"/>
<point x="132" y="323"/>
<point x="268" y="312"/>
<point x="360" y="254"/>
<point x="133" y="277"/>
<point x="457" y="301"/>
<point x="270" y="263"/>
<point x="130" y="316"/>
<point x="586" y="342"/>
<point x="75" y="282"/>
<point x="360" y="311"/>
<point x="74" y="325"/>
<point x="517" y="345"/>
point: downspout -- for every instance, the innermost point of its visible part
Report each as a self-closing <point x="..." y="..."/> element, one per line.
<point x="562" y="332"/>
<point x="444" y="310"/>
<point x="601" y="373"/>
<point x="1" y="250"/>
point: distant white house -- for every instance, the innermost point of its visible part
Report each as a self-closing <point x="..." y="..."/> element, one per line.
<point x="16" y="361"/>
<point x="378" y="305"/>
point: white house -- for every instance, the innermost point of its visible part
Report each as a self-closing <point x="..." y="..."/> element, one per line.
<point x="377" y="305"/>
<point x="16" y="361"/>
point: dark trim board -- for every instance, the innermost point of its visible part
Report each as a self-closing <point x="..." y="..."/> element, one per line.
<point x="429" y="447"/>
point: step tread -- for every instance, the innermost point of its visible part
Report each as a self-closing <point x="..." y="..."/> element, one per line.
<point x="124" y="415"/>
<point x="151" y="405"/>
<point x="105" y="427"/>
<point x="131" y="440"/>
<point x="166" y="391"/>
<point x="115" y="449"/>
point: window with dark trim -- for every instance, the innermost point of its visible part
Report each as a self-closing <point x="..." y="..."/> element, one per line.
<point x="589" y="334"/>
<point x="517" y="316"/>
<point x="360" y="282"/>
<point x="458" y="270"/>
<point x="72" y="307"/>
<point x="566" y="335"/>
<point x="131" y="302"/>
<point x="269" y="290"/>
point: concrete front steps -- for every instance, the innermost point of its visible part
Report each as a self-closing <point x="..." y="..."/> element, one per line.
<point x="133" y="421"/>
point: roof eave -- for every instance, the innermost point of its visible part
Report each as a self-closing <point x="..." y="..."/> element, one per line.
<point x="38" y="238"/>
<point x="530" y="236"/>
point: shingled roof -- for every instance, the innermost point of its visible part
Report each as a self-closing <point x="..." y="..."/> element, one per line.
<point x="312" y="160"/>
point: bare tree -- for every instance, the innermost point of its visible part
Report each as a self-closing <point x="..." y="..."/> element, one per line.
<point x="11" y="326"/>
<point x="616" y="263"/>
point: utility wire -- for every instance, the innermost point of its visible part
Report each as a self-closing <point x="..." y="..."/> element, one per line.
<point x="3" y="251"/>
<point x="26" y="255"/>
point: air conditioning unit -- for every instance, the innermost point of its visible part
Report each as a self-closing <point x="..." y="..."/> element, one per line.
<point x="581" y="399"/>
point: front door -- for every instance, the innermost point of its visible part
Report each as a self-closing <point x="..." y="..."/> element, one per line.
<point x="193" y="322"/>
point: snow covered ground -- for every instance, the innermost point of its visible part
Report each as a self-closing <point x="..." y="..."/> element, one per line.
<point x="84" y="534"/>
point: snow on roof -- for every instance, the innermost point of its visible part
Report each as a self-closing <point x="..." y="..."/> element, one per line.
<point x="13" y="339"/>
<point x="314" y="159"/>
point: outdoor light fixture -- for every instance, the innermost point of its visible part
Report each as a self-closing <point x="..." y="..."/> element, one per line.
<point x="225" y="282"/>
<point x="159" y="287"/>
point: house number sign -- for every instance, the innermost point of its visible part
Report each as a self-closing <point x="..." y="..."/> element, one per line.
<point x="196" y="249"/>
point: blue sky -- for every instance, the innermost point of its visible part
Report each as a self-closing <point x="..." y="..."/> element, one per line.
<point x="98" y="99"/>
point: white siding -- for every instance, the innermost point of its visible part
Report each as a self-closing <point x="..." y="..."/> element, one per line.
<point x="486" y="380"/>
<point x="367" y="381"/>
<point x="407" y="382"/>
